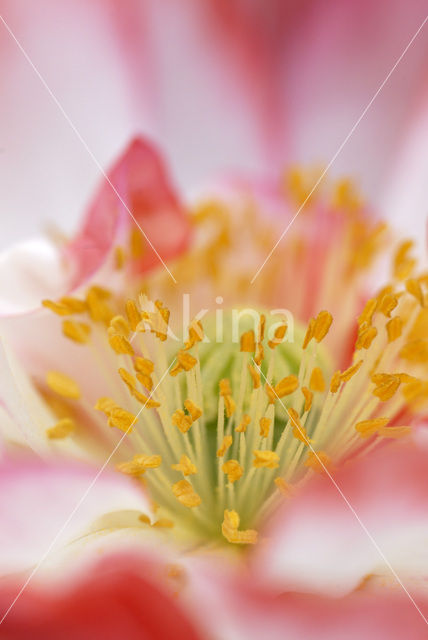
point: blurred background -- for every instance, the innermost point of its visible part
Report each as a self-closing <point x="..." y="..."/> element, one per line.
<point x="248" y="86"/>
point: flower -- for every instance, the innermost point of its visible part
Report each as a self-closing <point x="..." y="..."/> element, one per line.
<point x="240" y="439"/>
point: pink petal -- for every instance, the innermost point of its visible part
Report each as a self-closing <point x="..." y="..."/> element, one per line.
<point x="316" y="542"/>
<point x="112" y="598"/>
<point x="45" y="506"/>
<point x="140" y="179"/>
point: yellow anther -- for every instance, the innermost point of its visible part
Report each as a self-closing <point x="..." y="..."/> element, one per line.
<point x="61" y="429"/>
<point x="367" y="428"/>
<point x="76" y="331"/>
<point x="144" y="518"/>
<point x="227" y="442"/>
<point x="119" y="257"/>
<point x="386" y="385"/>
<point x="309" y="333"/>
<point x="403" y="264"/>
<point x="262" y="326"/>
<point x="181" y="420"/>
<point x="146" y="381"/>
<point x="351" y="371"/>
<point x="322" y="325"/>
<point x="319" y="461"/>
<point x="242" y="426"/>
<point x="265" y="459"/>
<point x="299" y="431"/>
<point x="387" y="304"/>
<point x="63" y="385"/>
<point x="248" y="342"/>
<point x="264" y="427"/>
<point x="279" y="336"/>
<point x="366" y="335"/>
<point x="106" y="405"/>
<point x="160" y="322"/>
<point x="308" y="399"/>
<point x="120" y="325"/>
<point x="122" y="419"/>
<point x="143" y="365"/>
<point x="136" y="243"/>
<point x="336" y="381"/>
<point x="233" y="470"/>
<point x="57" y="307"/>
<point x="415" y="289"/>
<point x="394" y="432"/>
<point x="255" y="375"/>
<point x="185" y="465"/>
<point x="230" y="530"/>
<point x="98" y="308"/>
<point x="226" y="393"/>
<point x="139" y="465"/>
<point x="394" y="328"/>
<point x="163" y="523"/>
<point x="283" y="487"/>
<point x="120" y="344"/>
<point x="317" y="382"/>
<point x="259" y="355"/>
<point x="127" y="378"/>
<point x="194" y="411"/>
<point x="147" y="401"/>
<point x="271" y="393"/>
<point x="287" y="385"/>
<point x="185" y="494"/>
<point x="196" y="334"/>
<point x="186" y="361"/>
<point x="133" y="314"/>
<point x="368" y="311"/>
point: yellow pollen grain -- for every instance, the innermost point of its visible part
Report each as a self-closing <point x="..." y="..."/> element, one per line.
<point x="185" y="465"/>
<point x="335" y="382"/>
<point x="181" y="420"/>
<point x="287" y="385"/>
<point x="308" y="395"/>
<point x="318" y="461"/>
<point x="265" y="459"/>
<point x="120" y="344"/>
<point x="255" y="375"/>
<point x="61" y="429"/>
<point x="122" y="419"/>
<point x="309" y="333"/>
<point x="387" y="304"/>
<point x="233" y="470"/>
<point x="227" y="442"/>
<point x="120" y="325"/>
<point x="230" y="529"/>
<point x="242" y="426"/>
<point x="394" y="328"/>
<point x="185" y="494"/>
<point x="322" y="325"/>
<point x="415" y="289"/>
<point x="248" y="342"/>
<point x="386" y="385"/>
<point x="194" y="411"/>
<point x="77" y="331"/>
<point x="366" y="335"/>
<point x="264" y="427"/>
<point x="317" y="382"/>
<point x="63" y="385"/>
<point x="279" y="336"/>
<point x="139" y="465"/>
<point x="283" y="487"/>
<point x="351" y="371"/>
<point x="367" y="428"/>
<point x="133" y="314"/>
<point x="298" y="430"/>
<point x="403" y="264"/>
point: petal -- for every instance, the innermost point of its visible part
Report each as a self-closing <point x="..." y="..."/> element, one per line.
<point x="115" y="597"/>
<point x="45" y="506"/>
<point x="371" y="519"/>
<point x="137" y="190"/>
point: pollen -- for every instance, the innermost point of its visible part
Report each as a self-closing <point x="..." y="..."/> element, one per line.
<point x="367" y="428"/>
<point x="286" y="386"/>
<point x="185" y="465"/>
<point x="225" y="445"/>
<point x="265" y="459"/>
<point x="233" y="470"/>
<point x="317" y="382"/>
<point x="185" y="494"/>
<point x="182" y="421"/>
<point x="63" y="385"/>
<point x="264" y="427"/>
<point x="61" y="429"/>
<point x="230" y="529"/>
<point x="76" y="331"/>
<point x="139" y="465"/>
